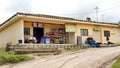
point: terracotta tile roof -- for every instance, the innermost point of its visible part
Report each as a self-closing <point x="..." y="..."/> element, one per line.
<point x="55" y="17"/>
<point x="62" y="18"/>
<point x="46" y="16"/>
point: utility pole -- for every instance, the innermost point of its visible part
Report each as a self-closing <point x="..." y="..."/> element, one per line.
<point x="96" y="13"/>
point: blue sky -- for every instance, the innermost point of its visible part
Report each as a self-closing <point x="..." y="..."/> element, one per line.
<point x="108" y="10"/>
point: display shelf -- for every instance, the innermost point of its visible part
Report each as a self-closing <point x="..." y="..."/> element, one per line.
<point x="58" y="35"/>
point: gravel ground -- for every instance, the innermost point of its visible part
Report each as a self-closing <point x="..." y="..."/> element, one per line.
<point x="89" y="58"/>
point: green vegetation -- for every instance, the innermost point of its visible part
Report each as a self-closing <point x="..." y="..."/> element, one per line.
<point x="10" y="57"/>
<point x="116" y="64"/>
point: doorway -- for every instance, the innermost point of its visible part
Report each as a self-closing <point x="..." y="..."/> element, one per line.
<point x="38" y="33"/>
<point x="70" y="37"/>
<point x="97" y="36"/>
<point x="118" y="36"/>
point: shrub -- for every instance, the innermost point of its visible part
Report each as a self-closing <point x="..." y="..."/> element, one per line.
<point x="9" y="57"/>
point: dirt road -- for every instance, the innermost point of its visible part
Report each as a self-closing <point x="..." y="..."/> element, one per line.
<point x="89" y="58"/>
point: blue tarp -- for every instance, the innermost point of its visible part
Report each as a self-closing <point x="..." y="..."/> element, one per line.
<point x="90" y="42"/>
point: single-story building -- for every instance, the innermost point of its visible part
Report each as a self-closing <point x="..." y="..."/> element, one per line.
<point x="59" y="30"/>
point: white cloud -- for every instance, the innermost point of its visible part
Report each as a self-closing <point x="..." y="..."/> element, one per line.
<point x="3" y="14"/>
<point x="79" y="9"/>
<point x="54" y="6"/>
<point x="19" y="6"/>
<point x="10" y="7"/>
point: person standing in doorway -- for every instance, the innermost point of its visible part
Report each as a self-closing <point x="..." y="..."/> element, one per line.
<point x="107" y="39"/>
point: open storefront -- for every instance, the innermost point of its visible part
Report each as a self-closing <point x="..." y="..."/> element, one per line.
<point x="47" y="33"/>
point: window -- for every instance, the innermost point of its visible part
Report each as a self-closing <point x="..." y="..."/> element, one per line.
<point x="107" y="33"/>
<point x="26" y="31"/>
<point x="84" y="32"/>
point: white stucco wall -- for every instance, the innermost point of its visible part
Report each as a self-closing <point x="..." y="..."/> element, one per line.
<point x="118" y="36"/>
<point x="12" y="33"/>
<point x="113" y="34"/>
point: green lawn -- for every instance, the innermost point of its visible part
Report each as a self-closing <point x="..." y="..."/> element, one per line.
<point x="10" y="57"/>
<point x="116" y="64"/>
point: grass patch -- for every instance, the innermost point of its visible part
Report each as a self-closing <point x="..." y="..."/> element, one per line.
<point x="116" y="64"/>
<point x="10" y="57"/>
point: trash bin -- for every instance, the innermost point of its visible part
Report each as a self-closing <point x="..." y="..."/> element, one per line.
<point x="45" y="40"/>
<point x="20" y="41"/>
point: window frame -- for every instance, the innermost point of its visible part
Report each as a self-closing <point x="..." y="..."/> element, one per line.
<point x="84" y="32"/>
<point x="26" y="31"/>
<point x="105" y="33"/>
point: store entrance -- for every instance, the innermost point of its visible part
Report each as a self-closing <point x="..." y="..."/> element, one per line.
<point x="70" y="37"/>
<point x="38" y="33"/>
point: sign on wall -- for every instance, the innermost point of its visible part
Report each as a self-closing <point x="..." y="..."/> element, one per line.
<point x="36" y="24"/>
<point x="71" y="27"/>
<point x="97" y="28"/>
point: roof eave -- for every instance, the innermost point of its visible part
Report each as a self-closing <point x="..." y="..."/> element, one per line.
<point x="70" y="21"/>
<point x="18" y="16"/>
<point x="9" y="21"/>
